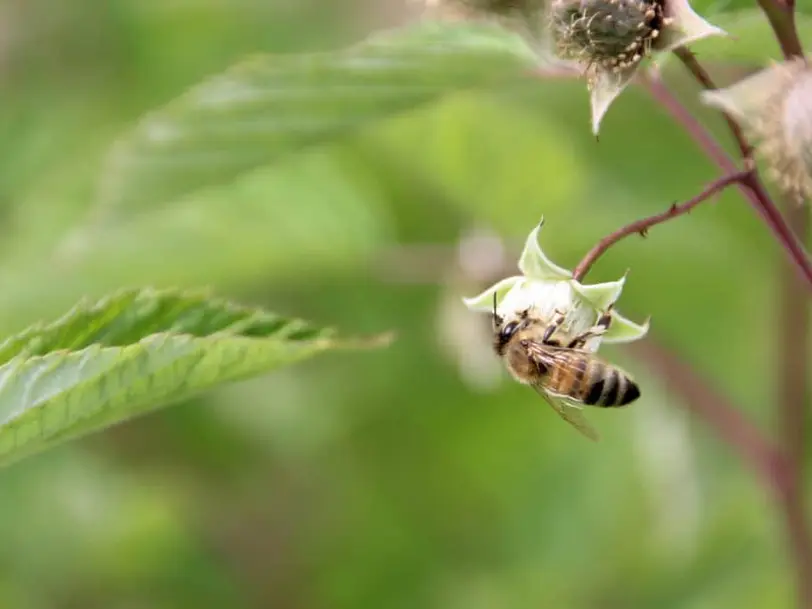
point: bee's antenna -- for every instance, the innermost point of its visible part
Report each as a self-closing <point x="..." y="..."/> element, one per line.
<point x="496" y="319"/>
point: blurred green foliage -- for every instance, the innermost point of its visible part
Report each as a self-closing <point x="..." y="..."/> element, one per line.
<point x="399" y="478"/>
<point x="136" y="351"/>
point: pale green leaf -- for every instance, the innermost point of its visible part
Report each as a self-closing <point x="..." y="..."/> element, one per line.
<point x="535" y="264"/>
<point x="270" y="106"/>
<point x="131" y="353"/>
<point x="624" y="330"/>
<point x="484" y="301"/>
<point x="338" y="222"/>
<point x="600" y="295"/>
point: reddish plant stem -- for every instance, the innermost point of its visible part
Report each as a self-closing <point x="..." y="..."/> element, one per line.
<point x="793" y="367"/>
<point x="688" y="59"/>
<point x="781" y="15"/>
<point x="794" y="362"/>
<point x="781" y="469"/>
<point x="787" y="479"/>
<point x="750" y="186"/>
<point x="641" y="226"/>
<point x="707" y="403"/>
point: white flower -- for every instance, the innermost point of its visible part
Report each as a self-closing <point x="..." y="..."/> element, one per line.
<point x="775" y="108"/>
<point x="545" y="287"/>
<point x="610" y="38"/>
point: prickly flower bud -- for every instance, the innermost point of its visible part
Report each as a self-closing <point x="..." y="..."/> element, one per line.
<point x="546" y="288"/>
<point x="610" y="38"/>
<point x="775" y="108"/>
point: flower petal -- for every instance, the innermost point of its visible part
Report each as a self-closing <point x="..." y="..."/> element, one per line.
<point x="624" y="330"/>
<point x="603" y="90"/>
<point x="748" y="96"/>
<point x="687" y="26"/>
<point x="544" y="298"/>
<point x="484" y="301"/>
<point x="534" y="264"/>
<point x="600" y="295"/>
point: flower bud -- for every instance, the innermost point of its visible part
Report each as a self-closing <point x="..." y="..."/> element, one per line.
<point x="545" y="288"/>
<point x="775" y="109"/>
<point x="613" y="34"/>
<point x="610" y="39"/>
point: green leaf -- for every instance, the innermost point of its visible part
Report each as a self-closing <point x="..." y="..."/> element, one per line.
<point x="275" y="105"/>
<point x="131" y="353"/>
<point x="534" y="262"/>
<point x="338" y="222"/>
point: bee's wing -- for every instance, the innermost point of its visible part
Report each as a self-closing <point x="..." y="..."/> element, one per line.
<point x="567" y="408"/>
<point x="570" y="411"/>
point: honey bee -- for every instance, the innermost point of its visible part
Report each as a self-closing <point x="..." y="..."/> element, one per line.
<point x="566" y="375"/>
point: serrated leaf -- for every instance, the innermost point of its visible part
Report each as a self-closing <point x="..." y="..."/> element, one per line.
<point x="133" y="352"/>
<point x="276" y="105"/>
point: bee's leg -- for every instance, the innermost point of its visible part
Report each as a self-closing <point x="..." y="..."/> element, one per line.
<point x="550" y="330"/>
<point x="604" y="321"/>
<point x="600" y="327"/>
<point x="579" y="341"/>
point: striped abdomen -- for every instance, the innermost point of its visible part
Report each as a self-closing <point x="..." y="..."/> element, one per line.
<point x="593" y="382"/>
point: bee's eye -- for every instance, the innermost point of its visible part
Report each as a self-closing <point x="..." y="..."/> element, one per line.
<point x="509" y="330"/>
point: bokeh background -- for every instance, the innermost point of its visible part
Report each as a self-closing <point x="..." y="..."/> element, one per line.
<point x="418" y="476"/>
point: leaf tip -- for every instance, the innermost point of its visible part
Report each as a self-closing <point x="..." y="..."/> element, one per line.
<point x="376" y="341"/>
<point x="383" y="340"/>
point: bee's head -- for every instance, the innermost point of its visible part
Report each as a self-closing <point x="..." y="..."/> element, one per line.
<point x="503" y="332"/>
<point x="497" y="320"/>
